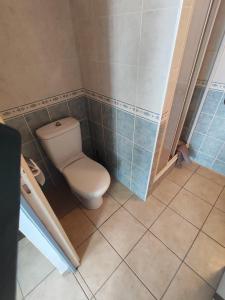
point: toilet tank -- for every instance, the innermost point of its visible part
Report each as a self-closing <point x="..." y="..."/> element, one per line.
<point x="61" y="140"/>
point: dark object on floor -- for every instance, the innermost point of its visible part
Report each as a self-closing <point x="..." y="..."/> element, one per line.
<point x="183" y="154"/>
<point x="10" y="151"/>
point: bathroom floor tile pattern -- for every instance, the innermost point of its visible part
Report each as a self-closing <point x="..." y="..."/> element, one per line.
<point x="171" y="247"/>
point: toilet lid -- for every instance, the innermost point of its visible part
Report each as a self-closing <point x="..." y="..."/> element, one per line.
<point x="87" y="177"/>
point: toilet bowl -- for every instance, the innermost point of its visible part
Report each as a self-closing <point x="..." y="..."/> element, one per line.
<point x="87" y="179"/>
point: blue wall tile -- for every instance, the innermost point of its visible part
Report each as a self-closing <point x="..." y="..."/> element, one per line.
<point x="203" y="159"/>
<point x="20" y="124"/>
<point x="211" y="146"/>
<point x="94" y="111"/>
<point x="145" y="133"/>
<point x="87" y="147"/>
<point x="37" y="119"/>
<point x="124" y="148"/>
<point x="196" y="140"/>
<point x="139" y="182"/>
<point x="96" y="131"/>
<point x="78" y="108"/>
<point x="124" y="180"/>
<point x="212" y="100"/>
<point x="58" y="111"/>
<point x="123" y="167"/>
<point x="142" y="158"/>
<point x="219" y="167"/>
<point x="217" y="128"/>
<point x="110" y="138"/>
<point x="203" y="123"/>
<point x="85" y="131"/>
<point x="221" y="155"/>
<point x="30" y="150"/>
<point x="221" y="109"/>
<point x="109" y="117"/>
<point x="125" y="124"/>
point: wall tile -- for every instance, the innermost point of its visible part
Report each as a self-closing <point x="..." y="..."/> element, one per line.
<point x="203" y="123"/>
<point x="77" y="108"/>
<point x="109" y="116"/>
<point x="124" y="148"/>
<point x="151" y="4"/>
<point x="111" y="162"/>
<point x="96" y="132"/>
<point x="85" y="132"/>
<point x="123" y="167"/>
<point x="211" y="102"/>
<point x="219" y="167"/>
<point x="124" y="180"/>
<point x="145" y="133"/>
<point x="30" y="150"/>
<point x="37" y="119"/>
<point x="221" y="109"/>
<point x="211" y="146"/>
<point x="94" y="111"/>
<point x="125" y="124"/>
<point x="202" y="159"/>
<point x="87" y="147"/>
<point x="20" y="124"/>
<point x="98" y="150"/>
<point x="110" y="138"/>
<point x="217" y="128"/>
<point x="58" y="111"/>
<point x="221" y="155"/>
<point x="196" y="140"/>
<point x="142" y="158"/>
<point x="108" y="7"/>
<point x="139" y="182"/>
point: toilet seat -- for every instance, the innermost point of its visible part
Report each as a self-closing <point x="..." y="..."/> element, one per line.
<point x="87" y="178"/>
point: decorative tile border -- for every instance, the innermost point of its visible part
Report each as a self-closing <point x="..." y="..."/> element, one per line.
<point x="16" y="111"/>
<point x="218" y="86"/>
<point x="23" y="109"/>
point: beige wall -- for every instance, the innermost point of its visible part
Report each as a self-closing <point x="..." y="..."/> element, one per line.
<point x="38" y="56"/>
<point x="126" y="48"/>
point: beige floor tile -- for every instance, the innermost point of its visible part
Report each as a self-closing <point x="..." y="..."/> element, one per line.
<point x="180" y="176"/>
<point x="204" y="188"/>
<point x="122" y="231"/>
<point x="98" y="261"/>
<point x="77" y="226"/>
<point x="217" y="178"/>
<point x="153" y="263"/>
<point x="119" y="192"/>
<point x="100" y="215"/>
<point x="19" y="295"/>
<point x="83" y="284"/>
<point x="58" y="287"/>
<point x="166" y="190"/>
<point x="188" y="286"/>
<point x="207" y="258"/>
<point x="32" y="268"/>
<point x="221" y="201"/>
<point x="145" y="211"/>
<point x="191" y="207"/>
<point x="123" y="285"/>
<point x="215" y="226"/>
<point x="175" y="232"/>
<point x="191" y="166"/>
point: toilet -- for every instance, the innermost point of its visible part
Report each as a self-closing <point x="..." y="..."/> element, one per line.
<point x="87" y="179"/>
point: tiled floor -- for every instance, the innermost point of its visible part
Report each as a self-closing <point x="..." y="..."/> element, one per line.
<point x="171" y="247"/>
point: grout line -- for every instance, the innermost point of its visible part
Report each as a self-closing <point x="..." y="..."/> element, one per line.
<point x="92" y="295"/>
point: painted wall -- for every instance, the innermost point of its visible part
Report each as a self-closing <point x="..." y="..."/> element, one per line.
<point x="37" y="50"/>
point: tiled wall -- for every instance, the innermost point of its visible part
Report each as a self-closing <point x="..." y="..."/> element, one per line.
<point x="124" y="143"/>
<point x="27" y="123"/>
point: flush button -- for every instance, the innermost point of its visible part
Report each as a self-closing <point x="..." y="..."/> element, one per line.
<point x="58" y="123"/>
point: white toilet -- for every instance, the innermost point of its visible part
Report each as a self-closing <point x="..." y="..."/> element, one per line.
<point x="87" y="179"/>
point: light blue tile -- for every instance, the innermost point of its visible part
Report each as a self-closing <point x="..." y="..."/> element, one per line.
<point x="94" y="111"/>
<point x="37" y="119"/>
<point x="212" y="100"/>
<point x="203" y="159"/>
<point x="123" y="167"/>
<point x="196" y="140"/>
<point x="203" y="123"/>
<point x="221" y="109"/>
<point x="211" y="146"/>
<point x="139" y="182"/>
<point x="125" y="124"/>
<point x="221" y="155"/>
<point x="84" y="126"/>
<point x="111" y="162"/>
<point x="142" y="158"/>
<point x="20" y="125"/>
<point x="58" y="111"/>
<point x="124" y="180"/>
<point x="96" y="133"/>
<point x="217" y="128"/>
<point x="110" y="139"/>
<point x="99" y="152"/>
<point x="124" y="148"/>
<point x="145" y="133"/>
<point x="78" y="108"/>
<point x="87" y="147"/>
<point x="109" y="117"/>
<point x="219" y="167"/>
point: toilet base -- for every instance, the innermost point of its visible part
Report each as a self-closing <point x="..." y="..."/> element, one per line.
<point x="92" y="203"/>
